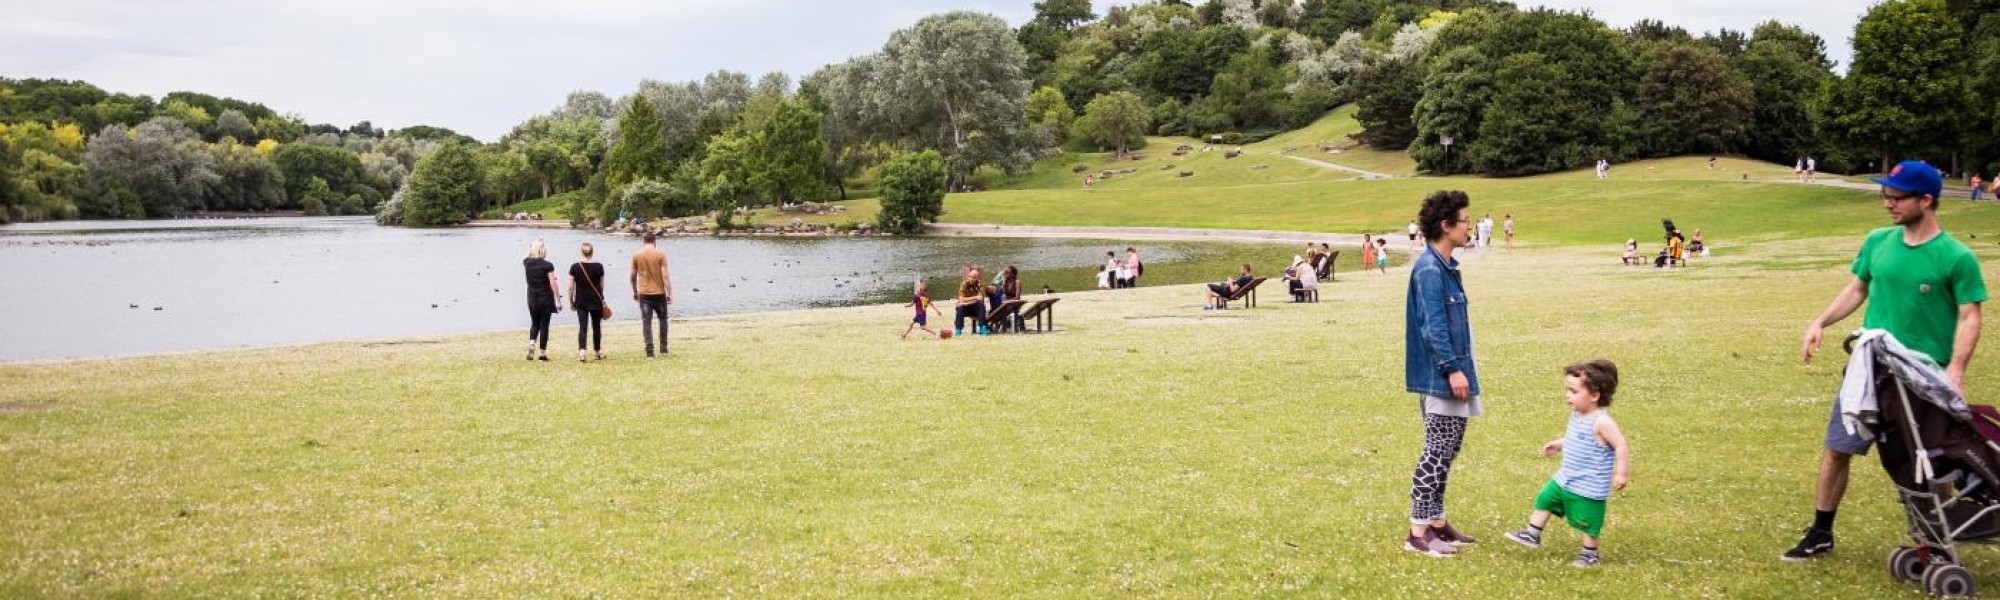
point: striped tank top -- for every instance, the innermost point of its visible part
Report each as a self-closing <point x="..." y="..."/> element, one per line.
<point x="1587" y="464"/>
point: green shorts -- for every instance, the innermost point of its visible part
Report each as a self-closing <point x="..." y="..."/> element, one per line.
<point x="1585" y="514"/>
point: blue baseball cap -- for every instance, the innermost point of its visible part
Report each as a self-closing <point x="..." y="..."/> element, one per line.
<point x="1914" y="176"/>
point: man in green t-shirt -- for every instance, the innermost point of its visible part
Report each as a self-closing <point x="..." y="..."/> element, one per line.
<point x="1922" y="286"/>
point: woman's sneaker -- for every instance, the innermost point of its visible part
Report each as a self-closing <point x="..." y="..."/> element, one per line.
<point x="1429" y="545"/>
<point x="1525" y="538"/>
<point x="1816" y="543"/>
<point x="1452" y="536"/>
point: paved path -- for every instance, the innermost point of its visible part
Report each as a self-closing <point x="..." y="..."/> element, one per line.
<point x="1339" y="167"/>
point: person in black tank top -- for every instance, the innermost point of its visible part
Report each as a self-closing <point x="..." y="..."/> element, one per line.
<point x="586" y="294"/>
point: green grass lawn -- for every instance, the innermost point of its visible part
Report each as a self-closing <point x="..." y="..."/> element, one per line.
<point x="553" y="208"/>
<point x="1149" y="449"/>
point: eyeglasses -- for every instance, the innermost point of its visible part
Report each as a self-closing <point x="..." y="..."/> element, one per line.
<point x="1900" y="197"/>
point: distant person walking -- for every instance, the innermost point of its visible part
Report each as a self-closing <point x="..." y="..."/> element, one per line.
<point x="586" y="297"/>
<point x="1439" y="367"/>
<point x="1508" y="226"/>
<point x="542" y="288"/>
<point x="1812" y="167"/>
<point x="1414" y="232"/>
<point x="1921" y="285"/>
<point x="1976" y="188"/>
<point x="653" y="289"/>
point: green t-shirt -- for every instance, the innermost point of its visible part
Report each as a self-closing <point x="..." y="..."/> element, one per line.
<point x="1914" y="291"/>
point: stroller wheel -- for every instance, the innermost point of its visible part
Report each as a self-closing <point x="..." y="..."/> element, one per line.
<point x="1948" y="580"/>
<point x="1905" y="565"/>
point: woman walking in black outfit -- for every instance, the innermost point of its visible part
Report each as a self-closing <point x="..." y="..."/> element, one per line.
<point x="542" y="288"/>
<point x="586" y="296"/>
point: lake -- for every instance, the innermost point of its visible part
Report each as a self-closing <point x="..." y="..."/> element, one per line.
<point x="117" y="288"/>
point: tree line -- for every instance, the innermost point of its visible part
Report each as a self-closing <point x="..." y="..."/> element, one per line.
<point x="70" y="150"/>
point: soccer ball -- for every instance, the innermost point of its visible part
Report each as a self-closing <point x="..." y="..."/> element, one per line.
<point x="944" y="334"/>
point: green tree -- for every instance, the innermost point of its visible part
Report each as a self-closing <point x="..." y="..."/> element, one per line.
<point x="300" y="162"/>
<point x="444" y="189"/>
<point x="1388" y="93"/>
<point x="913" y="187"/>
<point x="246" y="180"/>
<point x="1064" y="14"/>
<point x="954" y="83"/>
<point x="729" y="175"/>
<point x="158" y="169"/>
<point x="792" y="150"/>
<point x="640" y="153"/>
<point x="315" y="198"/>
<point x="1692" y="101"/>
<point x="1115" y="119"/>
<point x="13" y="195"/>
<point x="1905" y="94"/>
<point x="1049" y="113"/>
<point x="1528" y="127"/>
<point x="1788" y="74"/>
<point x="1455" y="92"/>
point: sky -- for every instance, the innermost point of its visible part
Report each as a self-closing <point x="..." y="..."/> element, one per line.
<point x="481" y="66"/>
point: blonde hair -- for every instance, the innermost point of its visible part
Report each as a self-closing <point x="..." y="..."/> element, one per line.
<point x="538" y="250"/>
<point x="587" y="249"/>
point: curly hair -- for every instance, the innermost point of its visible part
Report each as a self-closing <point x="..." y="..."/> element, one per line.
<point x="1439" y="207"/>
<point x="1599" y="376"/>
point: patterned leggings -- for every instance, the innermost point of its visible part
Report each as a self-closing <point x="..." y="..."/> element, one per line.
<point x="1442" y="436"/>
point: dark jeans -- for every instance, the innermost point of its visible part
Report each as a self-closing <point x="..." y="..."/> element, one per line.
<point x="975" y="312"/>
<point x="592" y="323"/>
<point x="538" y="324"/>
<point x="653" y="306"/>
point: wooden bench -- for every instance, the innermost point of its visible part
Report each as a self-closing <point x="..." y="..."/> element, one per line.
<point x="1043" y="313"/>
<point x="1002" y="317"/>
<point x="1248" y="295"/>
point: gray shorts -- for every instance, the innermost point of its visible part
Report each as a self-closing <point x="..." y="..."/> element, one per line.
<point x="1837" y="437"/>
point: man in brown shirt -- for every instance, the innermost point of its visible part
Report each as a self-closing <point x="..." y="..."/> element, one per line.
<point x="970" y="303"/>
<point x="653" y="289"/>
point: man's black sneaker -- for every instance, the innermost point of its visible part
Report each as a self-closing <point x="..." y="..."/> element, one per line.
<point x="1817" y="543"/>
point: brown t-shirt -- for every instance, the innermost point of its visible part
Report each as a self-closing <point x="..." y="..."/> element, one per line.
<point x="647" y="263"/>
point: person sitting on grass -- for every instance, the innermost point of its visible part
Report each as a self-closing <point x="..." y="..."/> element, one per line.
<point x="922" y="303"/>
<point x="1216" y="293"/>
<point x="1596" y="460"/>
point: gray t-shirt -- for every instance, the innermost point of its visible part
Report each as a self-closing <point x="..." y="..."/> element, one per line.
<point x="1451" y="408"/>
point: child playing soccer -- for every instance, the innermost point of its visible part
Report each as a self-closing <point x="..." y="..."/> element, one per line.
<point x="1595" y="461"/>
<point x="921" y="321"/>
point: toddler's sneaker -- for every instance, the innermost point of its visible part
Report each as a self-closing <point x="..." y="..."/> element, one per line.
<point x="1429" y="545"/>
<point x="1525" y="538"/>
<point x="1585" y="559"/>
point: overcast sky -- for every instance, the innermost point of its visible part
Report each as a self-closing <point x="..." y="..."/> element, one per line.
<point x="479" y="67"/>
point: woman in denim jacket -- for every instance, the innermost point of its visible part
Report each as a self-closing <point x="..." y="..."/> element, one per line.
<point x="1438" y="367"/>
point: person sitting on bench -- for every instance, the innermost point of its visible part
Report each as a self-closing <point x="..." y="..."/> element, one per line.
<point x="1216" y="293"/>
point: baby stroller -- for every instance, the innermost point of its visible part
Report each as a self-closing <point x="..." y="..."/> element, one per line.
<point x="1943" y="457"/>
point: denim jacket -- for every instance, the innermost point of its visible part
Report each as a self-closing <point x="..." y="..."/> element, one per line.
<point x="1437" y="338"/>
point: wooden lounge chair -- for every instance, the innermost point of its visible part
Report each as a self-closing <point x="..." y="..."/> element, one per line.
<point x="1003" y="317"/>
<point x="1248" y="294"/>
<point x="1325" y="267"/>
<point x="1043" y="313"/>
